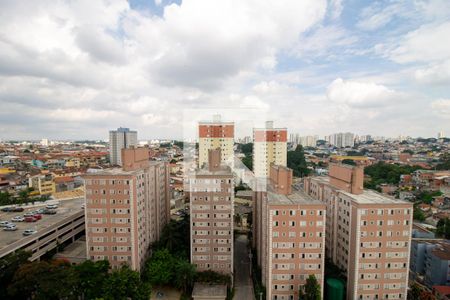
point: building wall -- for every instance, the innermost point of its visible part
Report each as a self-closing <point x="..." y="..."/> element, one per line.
<point x="269" y="147"/>
<point x="126" y="213"/>
<point x="211" y="209"/>
<point x="293" y="248"/>
<point x="370" y="242"/>
<point x="213" y="136"/>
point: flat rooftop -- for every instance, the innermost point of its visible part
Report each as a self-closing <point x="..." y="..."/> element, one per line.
<point x="296" y="197"/>
<point x="65" y="209"/>
<point x="209" y="290"/>
<point x="223" y="170"/>
<point x="367" y="197"/>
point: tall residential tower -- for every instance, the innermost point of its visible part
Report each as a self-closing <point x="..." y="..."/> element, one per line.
<point x="213" y="135"/>
<point x="119" y="139"/>
<point x="269" y="146"/>
<point x="126" y="209"/>
<point x="211" y="208"/>
<point x="368" y="235"/>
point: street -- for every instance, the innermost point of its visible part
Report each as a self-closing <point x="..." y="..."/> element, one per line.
<point x="243" y="281"/>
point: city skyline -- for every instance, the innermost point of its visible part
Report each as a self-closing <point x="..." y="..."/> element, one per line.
<point x="71" y="69"/>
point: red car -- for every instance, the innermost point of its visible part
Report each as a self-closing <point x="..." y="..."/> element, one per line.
<point x="30" y="219"/>
<point x="37" y="216"/>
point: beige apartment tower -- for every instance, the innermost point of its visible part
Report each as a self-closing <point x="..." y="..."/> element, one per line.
<point x="215" y="134"/>
<point x="119" y="139"/>
<point x="126" y="209"/>
<point x="269" y="147"/>
<point x="211" y="208"/>
<point x="368" y="235"/>
<point x="289" y="236"/>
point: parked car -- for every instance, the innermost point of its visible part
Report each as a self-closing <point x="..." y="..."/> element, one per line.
<point x="18" y="219"/>
<point x="28" y="214"/>
<point x="29" y="232"/>
<point x="39" y="211"/>
<point x="18" y="209"/>
<point x="7" y="209"/>
<point x="30" y="219"/>
<point x="51" y="206"/>
<point x="10" y="227"/>
<point x="49" y="212"/>
<point x="37" y="216"/>
<point x="4" y="223"/>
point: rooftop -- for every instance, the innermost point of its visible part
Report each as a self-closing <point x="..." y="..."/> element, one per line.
<point x="209" y="290"/>
<point x="296" y="197"/>
<point x="442" y="250"/>
<point x="223" y="170"/>
<point x="367" y="197"/>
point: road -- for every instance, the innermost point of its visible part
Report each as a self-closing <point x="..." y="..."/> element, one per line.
<point x="243" y="283"/>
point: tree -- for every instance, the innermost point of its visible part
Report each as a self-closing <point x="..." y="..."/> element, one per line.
<point x="91" y="276"/>
<point x="8" y="267"/>
<point x="159" y="270"/>
<point x="246" y="149"/>
<point x="297" y="162"/>
<point x="443" y="228"/>
<point x="24" y="196"/>
<point x="43" y="280"/>
<point x="248" y="161"/>
<point x="184" y="275"/>
<point x="349" y="162"/>
<point x="5" y="198"/>
<point x="125" y="284"/>
<point x="414" y="292"/>
<point x="311" y="289"/>
<point x="418" y="214"/>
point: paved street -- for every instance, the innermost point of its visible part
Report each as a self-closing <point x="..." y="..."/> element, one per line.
<point x="243" y="282"/>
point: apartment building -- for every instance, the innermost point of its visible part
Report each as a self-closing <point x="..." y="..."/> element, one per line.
<point x="42" y="183"/>
<point x="212" y="196"/>
<point x="119" y="139"/>
<point x="430" y="261"/>
<point x="269" y="147"/>
<point x="215" y="134"/>
<point x="368" y="235"/>
<point x="289" y="236"/>
<point x="126" y="209"/>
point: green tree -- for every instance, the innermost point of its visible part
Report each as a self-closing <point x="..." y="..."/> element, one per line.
<point x="125" y="283"/>
<point x="5" y="198"/>
<point x="248" y="161"/>
<point x="444" y="162"/>
<point x="297" y="162"/>
<point x="246" y="149"/>
<point x="43" y="280"/>
<point x="8" y="267"/>
<point x="414" y="292"/>
<point x="349" y="162"/>
<point x="91" y="276"/>
<point x="418" y="214"/>
<point x="311" y="289"/>
<point x="443" y="228"/>
<point x="24" y="196"/>
<point x="184" y="275"/>
<point x="160" y="268"/>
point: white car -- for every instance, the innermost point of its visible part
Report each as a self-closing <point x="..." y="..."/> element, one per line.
<point x="4" y="223"/>
<point x="10" y="227"/>
<point x="18" y="219"/>
<point x="52" y="206"/>
<point x="29" y="232"/>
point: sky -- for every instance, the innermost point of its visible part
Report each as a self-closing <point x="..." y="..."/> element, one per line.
<point x="77" y="69"/>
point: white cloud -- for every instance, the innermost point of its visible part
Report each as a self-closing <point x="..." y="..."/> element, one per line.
<point x="323" y="41"/>
<point x="426" y="44"/>
<point x="360" y="94"/>
<point x="336" y="7"/>
<point x="436" y="74"/>
<point x="441" y="107"/>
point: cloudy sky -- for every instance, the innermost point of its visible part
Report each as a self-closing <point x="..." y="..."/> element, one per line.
<point x="76" y="69"/>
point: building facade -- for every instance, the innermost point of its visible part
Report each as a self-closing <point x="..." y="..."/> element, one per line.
<point x="119" y="139"/>
<point x="126" y="209"/>
<point x="211" y="208"/>
<point x="213" y="135"/>
<point x="269" y="147"/>
<point x="368" y="235"/>
<point x="42" y="183"/>
<point x="289" y="236"/>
